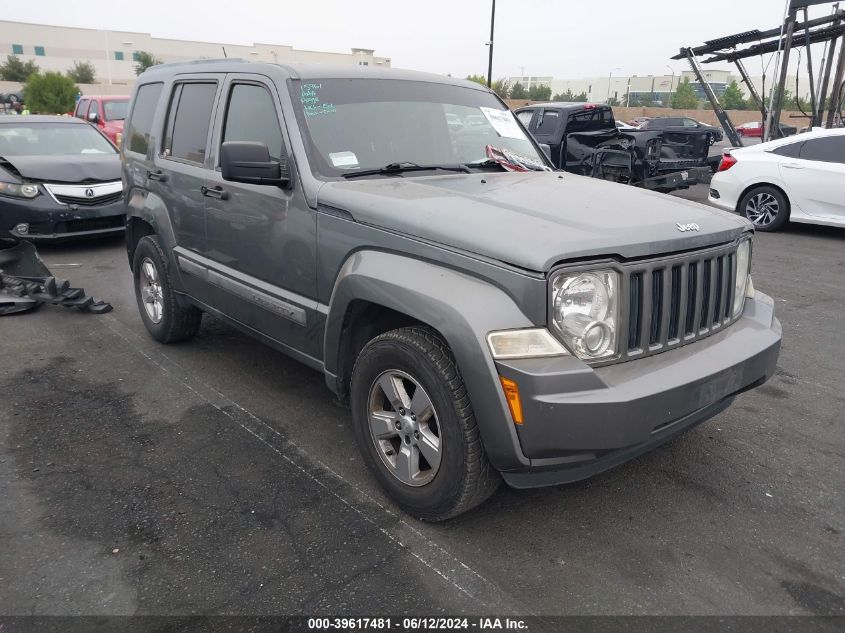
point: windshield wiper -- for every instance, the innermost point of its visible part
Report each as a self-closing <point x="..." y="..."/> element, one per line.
<point x="486" y="164"/>
<point x="406" y="166"/>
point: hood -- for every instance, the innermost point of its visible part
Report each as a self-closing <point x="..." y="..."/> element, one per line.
<point x="76" y="168"/>
<point x="533" y="220"/>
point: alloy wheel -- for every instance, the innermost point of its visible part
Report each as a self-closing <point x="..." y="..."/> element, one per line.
<point x="762" y="209"/>
<point x="151" y="293"/>
<point x="404" y="428"/>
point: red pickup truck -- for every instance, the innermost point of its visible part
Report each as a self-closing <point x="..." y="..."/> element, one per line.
<point x="107" y="112"/>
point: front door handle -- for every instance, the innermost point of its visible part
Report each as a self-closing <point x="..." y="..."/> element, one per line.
<point x="793" y="166"/>
<point x="156" y="175"/>
<point x="214" y="192"/>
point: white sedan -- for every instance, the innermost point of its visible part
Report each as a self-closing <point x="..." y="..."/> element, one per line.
<point x="798" y="179"/>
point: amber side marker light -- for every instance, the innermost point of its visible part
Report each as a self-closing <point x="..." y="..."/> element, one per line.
<point x="512" y="396"/>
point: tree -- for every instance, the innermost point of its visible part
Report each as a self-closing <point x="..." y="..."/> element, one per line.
<point x="501" y="87"/>
<point x="613" y="101"/>
<point x="569" y="97"/>
<point x="146" y="60"/>
<point x="518" y="91"/>
<point x="540" y="93"/>
<point x="733" y="99"/>
<point x="16" y="70"/>
<point x="82" y="73"/>
<point x="49" y="93"/>
<point x="479" y="79"/>
<point x="685" y="97"/>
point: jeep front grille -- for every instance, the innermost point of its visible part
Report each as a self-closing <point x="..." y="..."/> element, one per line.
<point x="676" y="300"/>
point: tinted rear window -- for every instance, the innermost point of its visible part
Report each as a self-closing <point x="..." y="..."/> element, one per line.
<point x="590" y="120"/>
<point x="188" y="121"/>
<point x="141" y="124"/>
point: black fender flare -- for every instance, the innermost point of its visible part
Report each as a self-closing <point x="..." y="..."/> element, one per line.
<point x="461" y="307"/>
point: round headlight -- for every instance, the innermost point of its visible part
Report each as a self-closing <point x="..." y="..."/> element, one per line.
<point x="585" y="294"/>
<point x="585" y="310"/>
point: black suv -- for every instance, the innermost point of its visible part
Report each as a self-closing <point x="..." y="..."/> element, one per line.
<point x="678" y="123"/>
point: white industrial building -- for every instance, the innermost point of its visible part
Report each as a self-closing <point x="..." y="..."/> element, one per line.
<point x="114" y="53"/>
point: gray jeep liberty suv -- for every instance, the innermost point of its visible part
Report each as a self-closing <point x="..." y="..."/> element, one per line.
<point x="485" y="317"/>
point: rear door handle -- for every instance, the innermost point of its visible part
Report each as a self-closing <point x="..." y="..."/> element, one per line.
<point x="793" y="166"/>
<point x="156" y="175"/>
<point x="214" y="192"/>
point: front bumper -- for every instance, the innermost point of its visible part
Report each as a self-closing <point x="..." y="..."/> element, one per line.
<point x="580" y="421"/>
<point x="51" y="221"/>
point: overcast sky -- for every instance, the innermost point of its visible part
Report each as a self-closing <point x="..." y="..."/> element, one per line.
<point x="562" y="38"/>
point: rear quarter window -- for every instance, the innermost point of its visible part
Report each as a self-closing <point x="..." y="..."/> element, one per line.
<point x="793" y="150"/>
<point x="140" y="124"/>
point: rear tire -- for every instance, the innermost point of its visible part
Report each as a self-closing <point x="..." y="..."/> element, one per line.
<point x="766" y="207"/>
<point x="415" y="426"/>
<point x="165" y="319"/>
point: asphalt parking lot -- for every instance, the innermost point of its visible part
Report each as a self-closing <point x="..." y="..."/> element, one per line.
<point x="219" y="476"/>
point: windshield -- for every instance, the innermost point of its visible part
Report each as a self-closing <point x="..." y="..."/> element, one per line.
<point x="361" y="124"/>
<point x="52" y="139"/>
<point x="116" y="110"/>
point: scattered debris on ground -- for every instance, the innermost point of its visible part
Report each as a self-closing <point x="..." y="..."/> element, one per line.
<point x="26" y="283"/>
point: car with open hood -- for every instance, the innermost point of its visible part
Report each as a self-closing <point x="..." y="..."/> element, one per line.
<point x="484" y="315"/>
<point x="59" y="179"/>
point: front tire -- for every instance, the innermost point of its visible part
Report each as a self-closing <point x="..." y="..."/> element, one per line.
<point x="415" y="426"/>
<point x="766" y="207"/>
<point x="165" y="319"/>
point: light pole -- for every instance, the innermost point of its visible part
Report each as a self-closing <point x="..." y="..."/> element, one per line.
<point x="490" y="44"/>
<point x="628" y="93"/>
<point x="671" y="85"/>
<point x="108" y="55"/>
<point x="609" y="78"/>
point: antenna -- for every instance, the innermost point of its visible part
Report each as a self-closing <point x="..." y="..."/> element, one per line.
<point x="224" y="52"/>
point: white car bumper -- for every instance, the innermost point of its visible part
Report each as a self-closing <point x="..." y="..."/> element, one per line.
<point x="725" y="191"/>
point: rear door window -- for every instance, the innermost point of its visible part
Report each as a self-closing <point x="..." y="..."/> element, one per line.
<point x="827" y="150"/>
<point x="140" y="126"/>
<point x="548" y="123"/>
<point x="251" y="116"/>
<point x="189" y="116"/>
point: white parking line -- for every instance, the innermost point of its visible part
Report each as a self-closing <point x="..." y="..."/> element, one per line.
<point x="391" y="524"/>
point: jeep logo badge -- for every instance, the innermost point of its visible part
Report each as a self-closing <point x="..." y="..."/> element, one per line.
<point x="692" y="226"/>
<point x="89" y="193"/>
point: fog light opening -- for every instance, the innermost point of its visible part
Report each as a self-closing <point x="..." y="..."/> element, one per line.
<point x="22" y="228"/>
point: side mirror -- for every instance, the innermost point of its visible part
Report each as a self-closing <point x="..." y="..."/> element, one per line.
<point x="546" y="149"/>
<point x="249" y="162"/>
<point x="92" y="117"/>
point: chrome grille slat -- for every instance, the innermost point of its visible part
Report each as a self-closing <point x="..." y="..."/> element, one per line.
<point x="676" y="300"/>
